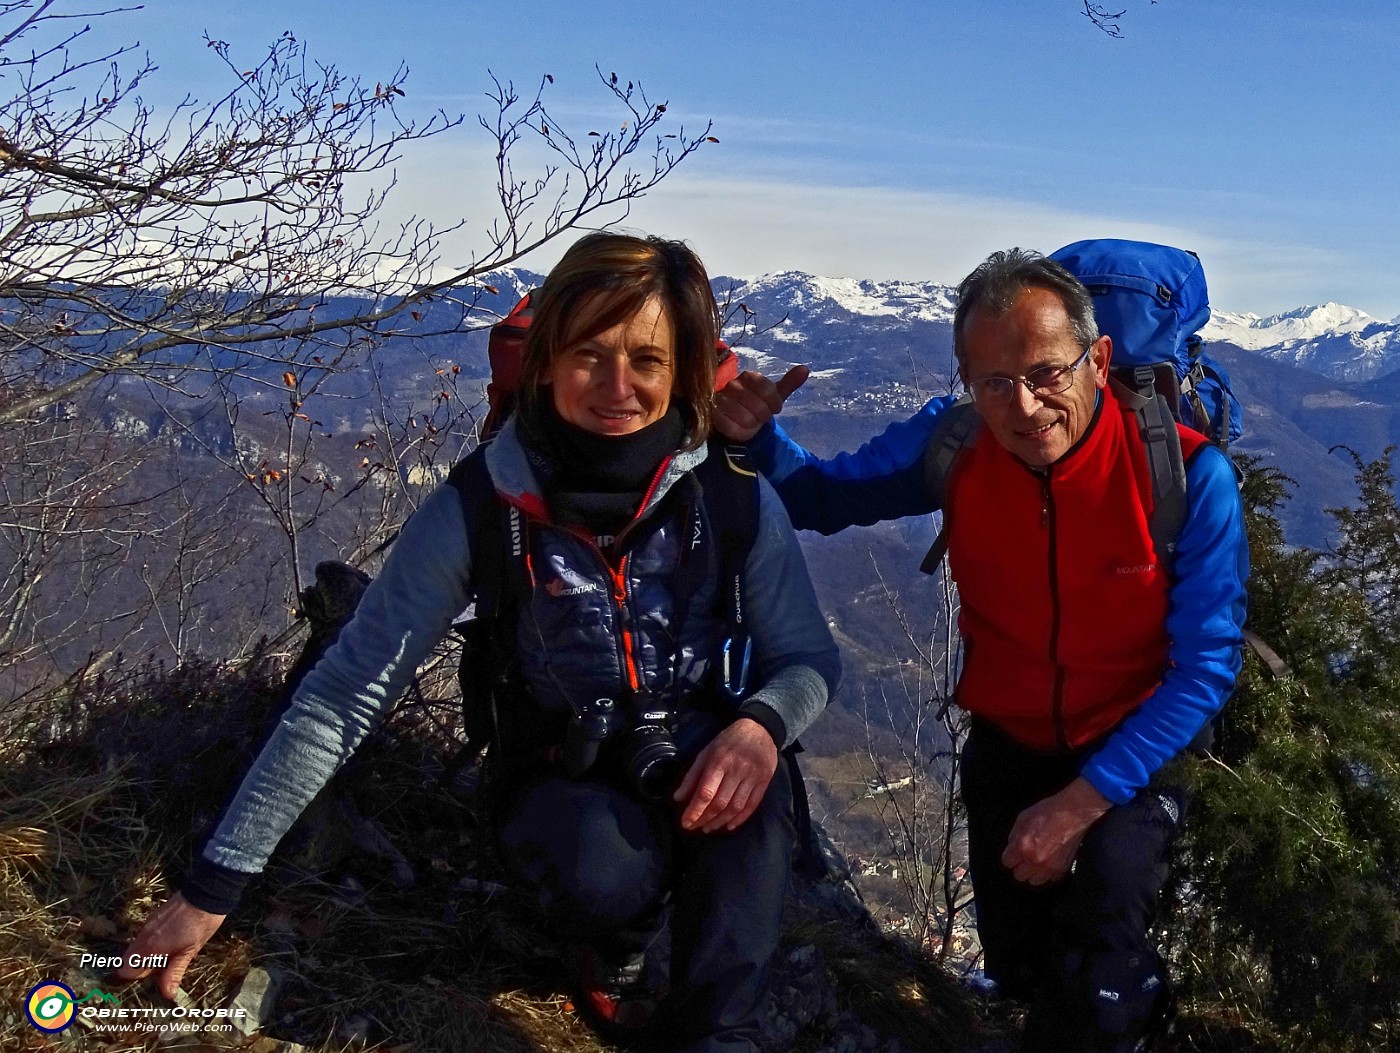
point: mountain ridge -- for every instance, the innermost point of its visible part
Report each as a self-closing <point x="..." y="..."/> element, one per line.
<point x="880" y="349"/>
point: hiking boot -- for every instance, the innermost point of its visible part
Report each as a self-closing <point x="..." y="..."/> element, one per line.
<point x="613" y="995"/>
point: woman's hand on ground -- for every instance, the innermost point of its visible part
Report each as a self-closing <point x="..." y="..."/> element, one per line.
<point x="177" y="930"/>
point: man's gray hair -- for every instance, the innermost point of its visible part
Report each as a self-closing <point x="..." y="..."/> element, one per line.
<point x="996" y="283"/>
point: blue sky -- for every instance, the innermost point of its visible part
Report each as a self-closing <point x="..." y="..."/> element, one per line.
<point x="902" y="140"/>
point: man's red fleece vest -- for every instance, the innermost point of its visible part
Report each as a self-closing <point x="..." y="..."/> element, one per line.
<point x="1064" y="601"/>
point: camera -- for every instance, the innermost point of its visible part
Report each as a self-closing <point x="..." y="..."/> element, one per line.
<point x="639" y="739"/>
<point x="648" y="754"/>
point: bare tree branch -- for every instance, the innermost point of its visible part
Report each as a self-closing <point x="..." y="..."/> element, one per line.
<point x="1106" y="20"/>
<point x="128" y="237"/>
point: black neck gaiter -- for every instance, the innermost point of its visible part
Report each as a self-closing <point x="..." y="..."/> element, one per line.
<point x="597" y="481"/>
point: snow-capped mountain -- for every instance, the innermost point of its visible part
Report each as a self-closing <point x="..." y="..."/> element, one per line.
<point x="871" y="344"/>
<point x="798" y="310"/>
<point x="1254" y="333"/>
<point x="1338" y="341"/>
<point x="898" y="333"/>
<point x="905" y="300"/>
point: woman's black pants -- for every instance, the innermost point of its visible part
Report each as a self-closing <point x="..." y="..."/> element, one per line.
<point x="601" y="862"/>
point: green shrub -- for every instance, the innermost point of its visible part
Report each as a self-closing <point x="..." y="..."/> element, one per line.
<point x="1291" y="883"/>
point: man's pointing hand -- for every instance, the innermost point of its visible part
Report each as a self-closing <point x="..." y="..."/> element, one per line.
<point x="751" y="400"/>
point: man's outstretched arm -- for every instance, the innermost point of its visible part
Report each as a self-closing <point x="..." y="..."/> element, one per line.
<point x="882" y="480"/>
<point x="749" y="401"/>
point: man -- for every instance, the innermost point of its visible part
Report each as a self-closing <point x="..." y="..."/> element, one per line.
<point x="1088" y="665"/>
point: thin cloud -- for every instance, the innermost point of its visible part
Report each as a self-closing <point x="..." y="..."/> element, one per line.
<point x="746" y="227"/>
<point x="869" y="232"/>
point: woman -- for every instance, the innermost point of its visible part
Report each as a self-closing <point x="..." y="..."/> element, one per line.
<point x="618" y="382"/>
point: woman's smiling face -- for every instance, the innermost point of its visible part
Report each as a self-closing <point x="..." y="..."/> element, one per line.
<point x="620" y="380"/>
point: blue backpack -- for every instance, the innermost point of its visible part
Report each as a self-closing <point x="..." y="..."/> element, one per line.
<point x="1152" y="299"/>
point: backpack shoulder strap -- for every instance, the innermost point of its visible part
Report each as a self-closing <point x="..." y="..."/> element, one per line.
<point x="729" y="484"/>
<point x="472" y="481"/>
<point x="1136" y="391"/>
<point x="955" y="430"/>
<point x="487" y="660"/>
<point x="729" y="489"/>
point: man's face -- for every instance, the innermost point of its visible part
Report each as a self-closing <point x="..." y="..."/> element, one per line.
<point x="1035" y="333"/>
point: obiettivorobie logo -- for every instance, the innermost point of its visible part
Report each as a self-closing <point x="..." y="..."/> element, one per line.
<point x="52" y="1006"/>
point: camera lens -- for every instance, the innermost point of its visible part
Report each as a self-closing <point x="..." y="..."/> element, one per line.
<point x="651" y="761"/>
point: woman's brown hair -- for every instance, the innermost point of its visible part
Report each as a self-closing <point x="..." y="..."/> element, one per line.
<point x="603" y="280"/>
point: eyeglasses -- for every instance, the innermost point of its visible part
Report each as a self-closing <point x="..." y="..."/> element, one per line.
<point x="1047" y="380"/>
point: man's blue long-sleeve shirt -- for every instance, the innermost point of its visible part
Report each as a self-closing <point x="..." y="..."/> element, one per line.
<point x="884" y="480"/>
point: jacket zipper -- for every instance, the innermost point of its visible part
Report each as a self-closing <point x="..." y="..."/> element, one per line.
<point x="634" y="681"/>
<point x="627" y="653"/>
<point x="620" y="596"/>
<point x="1057" y="695"/>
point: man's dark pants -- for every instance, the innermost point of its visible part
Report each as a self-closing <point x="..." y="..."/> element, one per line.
<point x="601" y="862"/>
<point x="1078" y="948"/>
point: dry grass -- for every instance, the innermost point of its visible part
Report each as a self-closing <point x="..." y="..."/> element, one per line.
<point x="99" y="816"/>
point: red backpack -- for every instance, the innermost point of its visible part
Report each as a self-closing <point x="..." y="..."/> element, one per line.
<point x="506" y="350"/>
